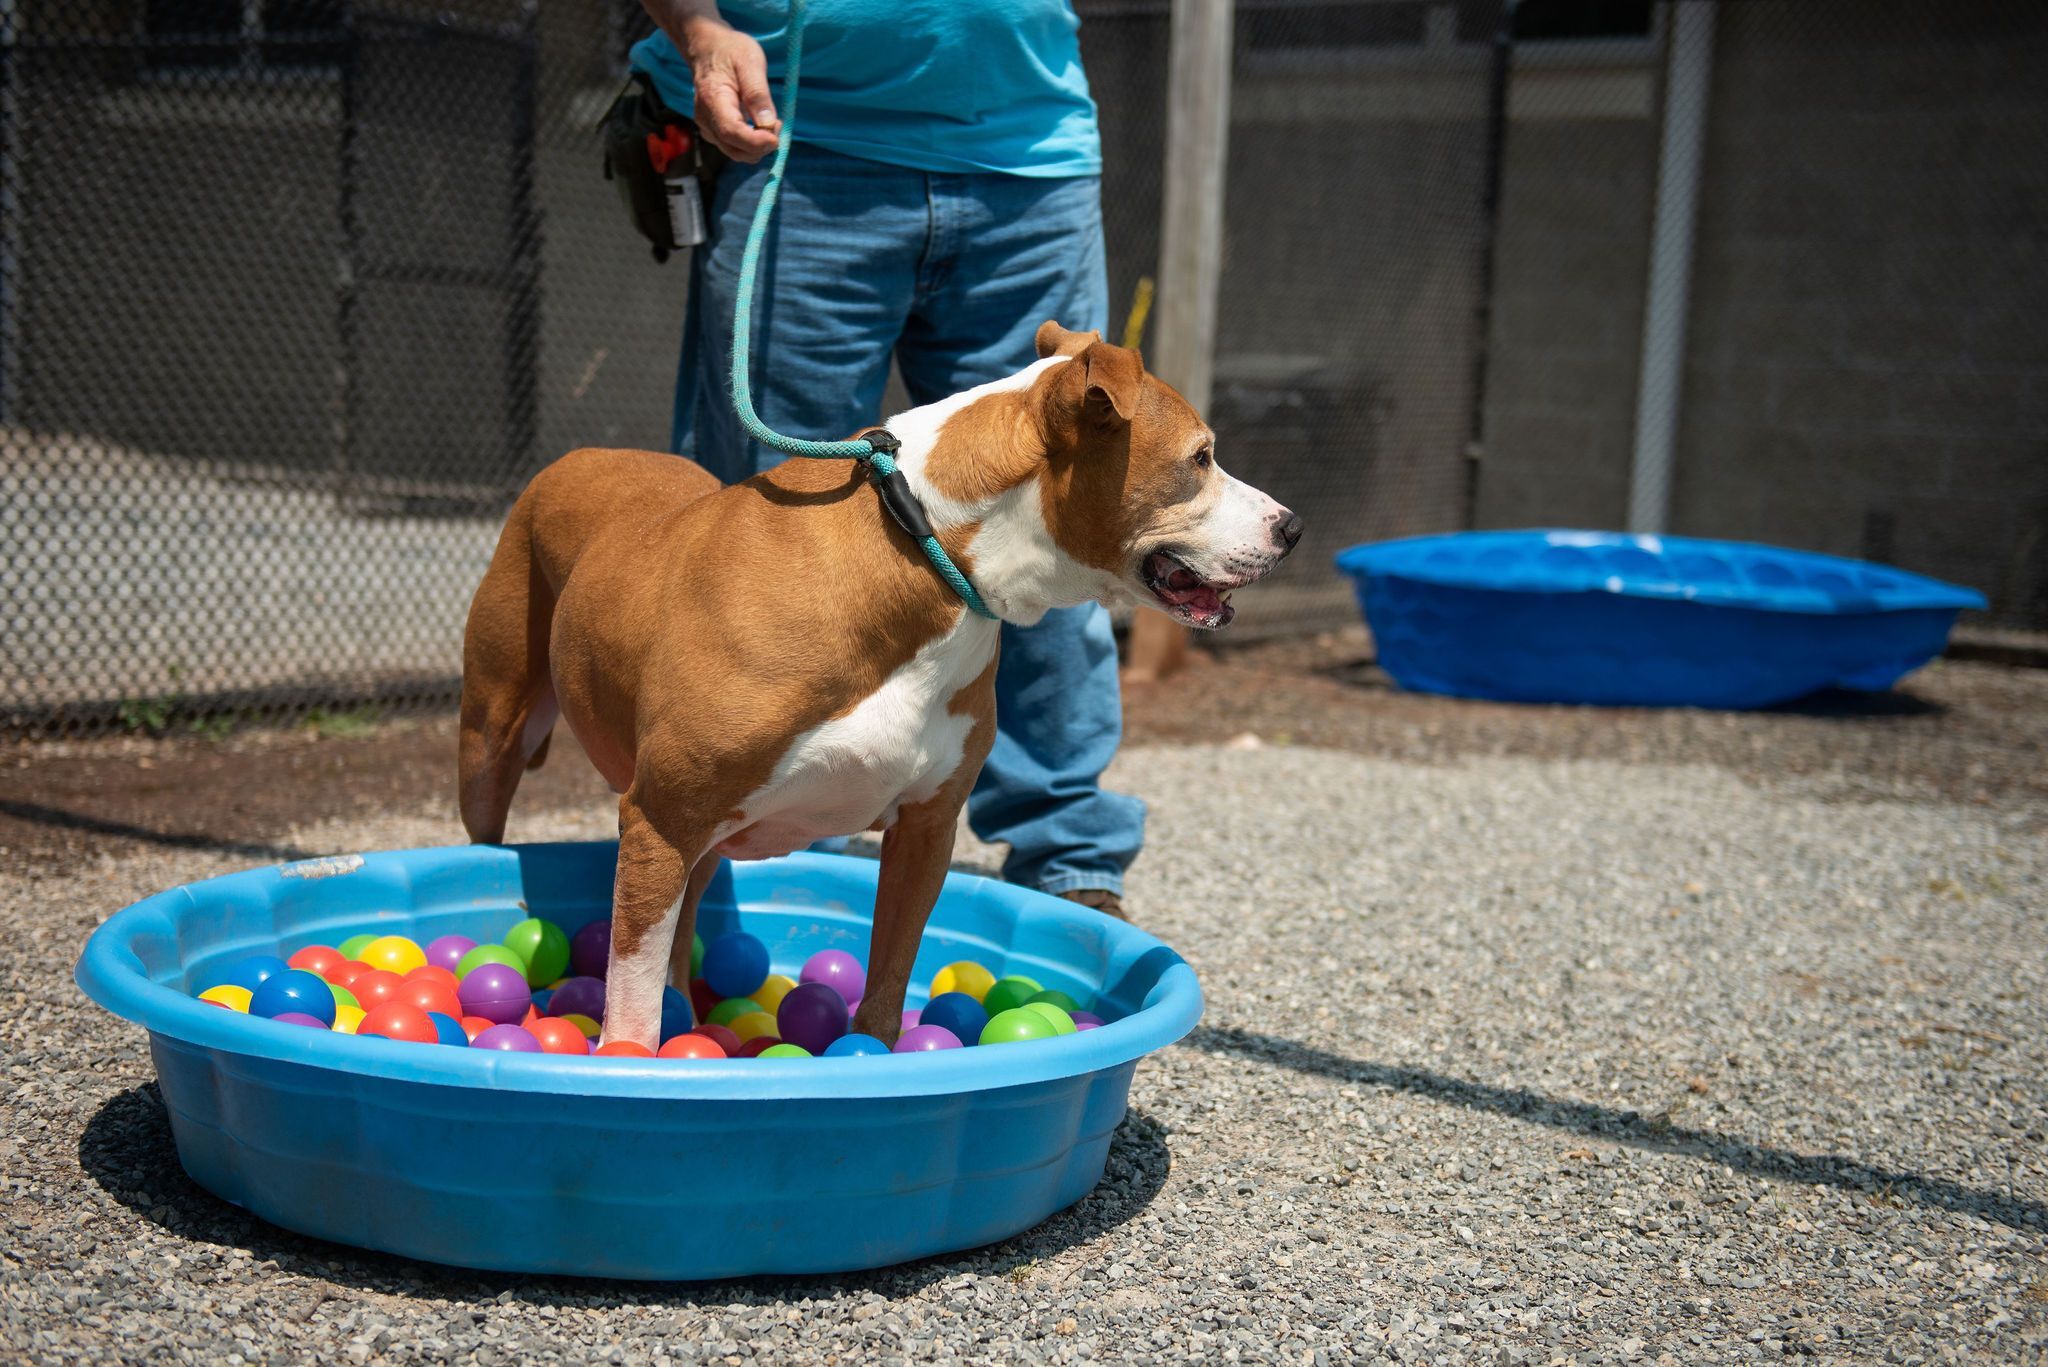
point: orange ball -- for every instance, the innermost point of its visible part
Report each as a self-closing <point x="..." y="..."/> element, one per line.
<point x="345" y="973"/>
<point x="400" y="1021"/>
<point x="532" y="1014"/>
<point x="473" y="1026"/>
<point x="691" y="1046"/>
<point x="375" y="986"/>
<point x="428" y="995"/>
<point x="320" y="959"/>
<point x="623" y="1048"/>
<point x="433" y="972"/>
<point x="558" y="1036"/>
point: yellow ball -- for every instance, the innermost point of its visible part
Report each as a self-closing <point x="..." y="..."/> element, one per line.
<point x="753" y="1025"/>
<point x="228" y="995"/>
<point x="347" y="1018"/>
<point x="771" y="992"/>
<point x="589" y="1027"/>
<point x="393" y="954"/>
<point x="965" y="976"/>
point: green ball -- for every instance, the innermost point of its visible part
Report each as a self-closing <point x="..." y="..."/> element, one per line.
<point x="1052" y="996"/>
<point x="343" y="997"/>
<point x="785" y="1051"/>
<point x="542" y="948"/>
<point x="731" y="1009"/>
<point x="1062" y="1023"/>
<point x="1016" y="1025"/>
<point x="696" y="956"/>
<point x="1008" y="992"/>
<point x="354" y="945"/>
<point x="487" y="954"/>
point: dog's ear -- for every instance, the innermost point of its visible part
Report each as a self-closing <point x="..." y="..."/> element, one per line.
<point x="1116" y="377"/>
<point x="1054" y="340"/>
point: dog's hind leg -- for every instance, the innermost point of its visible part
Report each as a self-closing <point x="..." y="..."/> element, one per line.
<point x="508" y="697"/>
<point x="686" y="920"/>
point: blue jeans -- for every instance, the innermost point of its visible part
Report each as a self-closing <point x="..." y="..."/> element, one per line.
<point x="952" y="274"/>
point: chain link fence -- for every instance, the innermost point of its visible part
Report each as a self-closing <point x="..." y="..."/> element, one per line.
<point x="296" y="294"/>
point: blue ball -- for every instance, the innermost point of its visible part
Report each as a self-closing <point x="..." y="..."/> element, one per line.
<point x="293" y="990"/>
<point x="676" y="1016"/>
<point x="855" y="1046"/>
<point x="735" y="964"/>
<point x="540" y="999"/>
<point x="253" y="972"/>
<point x="449" y="1029"/>
<point x="958" y="1012"/>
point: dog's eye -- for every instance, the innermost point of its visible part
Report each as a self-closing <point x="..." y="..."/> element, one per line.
<point x="1203" y="458"/>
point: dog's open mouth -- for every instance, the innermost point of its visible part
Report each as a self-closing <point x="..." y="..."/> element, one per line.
<point x="1185" y="594"/>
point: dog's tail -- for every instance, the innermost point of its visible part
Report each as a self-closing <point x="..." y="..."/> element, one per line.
<point x="508" y="699"/>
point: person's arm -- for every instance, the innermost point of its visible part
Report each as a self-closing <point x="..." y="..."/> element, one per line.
<point x="734" y="109"/>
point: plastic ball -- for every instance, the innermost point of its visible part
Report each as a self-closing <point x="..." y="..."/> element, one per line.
<point x="585" y="1025"/>
<point x="541" y="997"/>
<point x="376" y="987"/>
<point x="757" y="1046"/>
<point x="317" y="959"/>
<point x="253" y="971"/>
<point x="590" y="950"/>
<point x="965" y="976"/>
<point x="345" y="973"/>
<point x="956" y="1011"/>
<point x="399" y="1021"/>
<point x="1054" y="997"/>
<point x="785" y="1050"/>
<point x="1061" y="1022"/>
<point x="923" y="1039"/>
<point x="347" y="1018"/>
<point x="811" y="1015"/>
<point x="393" y="954"/>
<point x="543" y="947"/>
<point x="488" y="954"/>
<point x="735" y="964"/>
<point x="703" y="1000"/>
<point x="473" y="1026"/>
<point x="510" y="1039"/>
<point x="1016" y="1026"/>
<point x="449" y="1029"/>
<point x="720" y="1036"/>
<point x="227" y="994"/>
<point x="912" y="1018"/>
<point x="578" y="997"/>
<point x="772" y="990"/>
<point x="296" y="991"/>
<point x="730" y="1010"/>
<point x="839" y="971"/>
<point x="690" y="1046"/>
<point x="676" y="1016"/>
<point x="558" y="1036"/>
<point x="624" y="1048"/>
<point x="753" y="1025"/>
<point x="342" y="996"/>
<point x="531" y="1015"/>
<point x="1087" y="1020"/>
<point x="696" y="955"/>
<point x="495" y="991"/>
<point x="855" y="1046"/>
<point x="299" y="1018"/>
<point x="1009" y="992"/>
<point x="435" y="973"/>
<point x="447" y="951"/>
<point x="354" y="945"/>
<point x="430" y="996"/>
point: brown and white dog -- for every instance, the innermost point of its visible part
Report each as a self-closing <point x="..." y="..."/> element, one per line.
<point x="756" y="667"/>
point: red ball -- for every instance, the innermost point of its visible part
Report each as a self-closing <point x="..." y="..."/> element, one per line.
<point x="693" y="1046"/>
<point x="702" y="998"/>
<point x="345" y="973"/>
<point x="399" y="1020"/>
<point x="625" y="1048"/>
<point x="722" y="1037"/>
<point x="754" y="1047"/>
<point x="376" y="986"/>
<point x="532" y="1014"/>
<point x="429" y="994"/>
<point x="320" y="959"/>
<point x="473" y="1026"/>
<point x="433" y="973"/>
<point x="557" y="1036"/>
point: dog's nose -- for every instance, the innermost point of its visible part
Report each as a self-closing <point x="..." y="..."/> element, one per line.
<point x="1290" y="528"/>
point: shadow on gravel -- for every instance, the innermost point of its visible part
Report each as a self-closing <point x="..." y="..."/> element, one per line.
<point x="1847" y="704"/>
<point x="38" y="814"/>
<point x="1628" y="1127"/>
<point x="127" y="1150"/>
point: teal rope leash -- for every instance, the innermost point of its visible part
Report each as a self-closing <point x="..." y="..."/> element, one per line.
<point x="875" y="451"/>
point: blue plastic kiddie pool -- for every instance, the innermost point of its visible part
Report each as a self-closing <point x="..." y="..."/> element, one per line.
<point x="618" y="1167"/>
<point x="1603" y="617"/>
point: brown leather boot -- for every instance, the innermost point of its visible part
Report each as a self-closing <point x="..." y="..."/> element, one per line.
<point x="1098" y="899"/>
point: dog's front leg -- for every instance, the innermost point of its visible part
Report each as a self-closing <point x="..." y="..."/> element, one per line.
<point x="647" y="899"/>
<point x="915" y="853"/>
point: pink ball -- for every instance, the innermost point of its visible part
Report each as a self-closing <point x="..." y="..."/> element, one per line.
<point x="910" y="1017"/>
<point x="299" y="1018"/>
<point x="447" y="951"/>
<point x="923" y="1039"/>
<point x="1087" y="1020"/>
<point x="839" y="971"/>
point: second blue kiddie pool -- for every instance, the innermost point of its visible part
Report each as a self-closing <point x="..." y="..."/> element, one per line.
<point x="619" y="1167"/>
<point x="1604" y="617"/>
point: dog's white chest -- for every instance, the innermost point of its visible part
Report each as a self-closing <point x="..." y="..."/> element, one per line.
<point x="898" y="746"/>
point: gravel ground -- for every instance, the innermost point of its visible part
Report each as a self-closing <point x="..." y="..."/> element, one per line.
<point x="1507" y="1059"/>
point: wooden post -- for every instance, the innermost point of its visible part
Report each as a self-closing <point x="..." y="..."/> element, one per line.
<point x="1190" y="251"/>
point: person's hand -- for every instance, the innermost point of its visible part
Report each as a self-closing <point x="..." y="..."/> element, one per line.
<point x="734" y="109"/>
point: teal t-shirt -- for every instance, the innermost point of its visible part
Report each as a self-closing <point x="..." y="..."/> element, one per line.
<point x="936" y="85"/>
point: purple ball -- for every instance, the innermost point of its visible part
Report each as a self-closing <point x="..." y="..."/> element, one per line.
<point x="590" y="949"/>
<point x="922" y="1039"/>
<point x="496" y="992"/>
<point x="512" y="1039"/>
<point x="1088" y="1020"/>
<point x="447" y="951"/>
<point x="838" y="970"/>
<point x="910" y="1017"/>
<point x="299" y="1018"/>
<point x="811" y="1015"/>
<point x="579" y="997"/>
